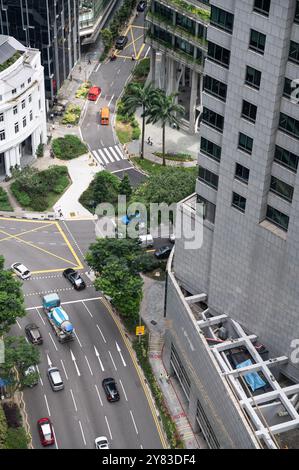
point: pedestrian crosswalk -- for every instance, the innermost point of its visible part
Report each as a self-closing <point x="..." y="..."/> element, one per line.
<point x="107" y="155"/>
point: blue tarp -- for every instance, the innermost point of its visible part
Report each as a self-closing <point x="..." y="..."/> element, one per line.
<point x="3" y="382"/>
<point x="252" y="378"/>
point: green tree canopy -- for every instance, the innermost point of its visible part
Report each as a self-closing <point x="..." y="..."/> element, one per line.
<point x="103" y="188"/>
<point x="101" y="252"/>
<point x="125" y="187"/>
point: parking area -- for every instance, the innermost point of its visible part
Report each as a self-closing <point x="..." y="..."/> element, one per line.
<point x="42" y="246"/>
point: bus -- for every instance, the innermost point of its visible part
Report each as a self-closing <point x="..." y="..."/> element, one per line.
<point x="104" y="115"/>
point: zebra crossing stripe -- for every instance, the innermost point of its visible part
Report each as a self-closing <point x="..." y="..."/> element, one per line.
<point x="97" y="157"/>
<point x="105" y="159"/>
<point x="108" y="154"/>
<point x="119" y="151"/>
<point x="114" y="153"/>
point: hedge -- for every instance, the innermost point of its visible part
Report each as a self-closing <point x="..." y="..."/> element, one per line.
<point x="4" y="201"/>
<point x="68" y="147"/>
<point x="3" y="428"/>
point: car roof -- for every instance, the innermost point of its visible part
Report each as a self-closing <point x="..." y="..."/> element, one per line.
<point x="21" y="267"/>
<point x="31" y="326"/>
<point x="69" y="270"/>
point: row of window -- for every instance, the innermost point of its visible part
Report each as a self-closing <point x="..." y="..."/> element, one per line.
<point x="14" y="90"/>
<point x="15" y="108"/>
<point x="24" y="121"/>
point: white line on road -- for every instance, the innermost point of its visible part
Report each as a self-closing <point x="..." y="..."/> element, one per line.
<point x="141" y="446"/>
<point x="147" y="52"/>
<point x="110" y="99"/>
<point x="108" y="427"/>
<point x="119" y="351"/>
<point x="26" y="339"/>
<point x="112" y="360"/>
<point x="123" y="390"/>
<point x="40" y="316"/>
<point x="124" y="169"/>
<point x="101" y="333"/>
<point x="55" y="438"/>
<point x="88" y="365"/>
<point x="102" y="143"/>
<point x="75" y="405"/>
<point x="47" y="405"/>
<point x="78" y="339"/>
<point x="134" y="422"/>
<point x="99" y="359"/>
<point x="64" y="369"/>
<point x="41" y="380"/>
<point x="87" y="309"/>
<point x="49" y="361"/>
<point x="97" y="69"/>
<point x="75" y="363"/>
<point x="18" y="324"/>
<point x="99" y="396"/>
<point x="83" y="437"/>
<point x="66" y="303"/>
<point x="53" y="341"/>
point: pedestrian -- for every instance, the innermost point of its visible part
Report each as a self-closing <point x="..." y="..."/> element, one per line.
<point x="167" y="378"/>
<point x="133" y="57"/>
<point x="80" y="68"/>
<point x="89" y="61"/>
<point x="149" y="141"/>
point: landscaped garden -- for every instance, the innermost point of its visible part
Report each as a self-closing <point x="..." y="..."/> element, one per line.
<point x="68" y="147"/>
<point x="71" y="115"/>
<point x="4" y="201"/>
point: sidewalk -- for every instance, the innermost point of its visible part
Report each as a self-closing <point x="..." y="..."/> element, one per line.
<point x="152" y="314"/>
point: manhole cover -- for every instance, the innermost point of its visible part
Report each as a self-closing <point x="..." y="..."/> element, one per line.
<point x="153" y="322"/>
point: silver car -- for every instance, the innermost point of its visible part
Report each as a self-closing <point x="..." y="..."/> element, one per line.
<point x="101" y="442"/>
<point x="21" y="270"/>
<point x="55" y="379"/>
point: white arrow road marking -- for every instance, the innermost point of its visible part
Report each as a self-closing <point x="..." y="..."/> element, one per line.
<point x="64" y="369"/>
<point x="88" y="365"/>
<point x="41" y="380"/>
<point x="112" y="360"/>
<point x="134" y="422"/>
<point x="75" y="405"/>
<point x="99" y="359"/>
<point x="49" y="361"/>
<point x="88" y="310"/>
<point x="101" y="333"/>
<point x="123" y="389"/>
<point x="99" y="396"/>
<point x="55" y="438"/>
<point x="108" y="428"/>
<point x="47" y="405"/>
<point x="75" y="363"/>
<point x="141" y="446"/>
<point x="119" y="351"/>
<point x="83" y="437"/>
<point x="40" y="316"/>
<point x="78" y="339"/>
<point x="53" y="341"/>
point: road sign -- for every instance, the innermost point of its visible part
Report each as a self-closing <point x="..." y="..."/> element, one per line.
<point x="140" y="330"/>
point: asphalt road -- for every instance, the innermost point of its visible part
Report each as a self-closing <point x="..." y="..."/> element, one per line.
<point x="80" y="412"/>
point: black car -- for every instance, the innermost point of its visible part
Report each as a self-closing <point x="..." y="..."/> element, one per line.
<point x="33" y="334"/>
<point x="121" y="41"/>
<point x="110" y="389"/>
<point x="163" y="252"/>
<point x="75" y="279"/>
<point x="141" y="6"/>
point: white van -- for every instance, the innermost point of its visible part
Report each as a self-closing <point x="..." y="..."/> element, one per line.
<point x="146" y="240"/>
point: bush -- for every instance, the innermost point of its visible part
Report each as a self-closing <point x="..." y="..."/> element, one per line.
<point x="40" y="151"/>
<point x="142" y="69"/>
<point x="68" y="147"/>
<point x="83" y="90"/>
<point x="4" y="201"/>
<point x="3" y="428"/>
<point x="136" y="133"/>
<point x="12" y="415"/>
<point x="22" y="197"/>
<point x="17" y="439"/>
<point x="71" y="115"/>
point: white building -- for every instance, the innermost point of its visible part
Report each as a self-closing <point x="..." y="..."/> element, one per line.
<point x="22" y="104"/>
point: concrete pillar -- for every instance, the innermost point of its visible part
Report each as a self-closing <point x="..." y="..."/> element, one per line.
<point x="162" y="79"/>
<point x="153" y="66"/>
<point x="170" y="76"/>
<point x="7" y="163"/>
<point x="193" y="98"/>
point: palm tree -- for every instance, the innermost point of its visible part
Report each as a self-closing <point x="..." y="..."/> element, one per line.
<point x="139" y="96"/>
<point x="165" y="110"/>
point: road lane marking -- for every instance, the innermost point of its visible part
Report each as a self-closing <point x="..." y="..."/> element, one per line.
<point x="40" y="316"/>
<point x="110" y="99"/>
<point x="83" y="437"/>
<point x="78" y="339"/>
<point x="99" y="396"/>
<point x="134" y="421"/>
<point x="112" y="360"/>
<point x="99" y="359"/>
<point x="55" y="438"/>
<point x="47" y="405"/>
<point x="80" y="266"/>
<point x="119" y="352"/>
<point x="41" y="380"/>
<point x="87" y="309"/>
<point x="108" y="428"/>
<point x="18" y="324"/>
<point x="141" y="446"/>
<point x="53" y="341"/>
<point x="66" y="303"/>
<point x="101" y="333"/>
<point x="64" y="369"/>
<point x="23" y="233"/>
<point x="75" y="363"/>
<point x="97" y="69"/>
<point x="114" y="154"/>
<point x="88" y="365"/>
<point x="74" y="402"/>
<point x="145" y="55"/>
<point x="124" y="392"/>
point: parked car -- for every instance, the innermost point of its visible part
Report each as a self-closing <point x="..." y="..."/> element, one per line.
<point x="146" y="241"/>
<point x="101" y="443"/>
<point x="141" y="6"/>
<point x="75" y="279"/>
<point x="121" y="41"/>
<point x="163" y="252"/>
<point x="55" y="379"/>
<point x="33" y="334"/>
<point x="21" y="270"/>
<point x="172" y="237"/>
<point x="32" y="370"/>
<point x="110" y="389"/>
<point x="45" y="430"/>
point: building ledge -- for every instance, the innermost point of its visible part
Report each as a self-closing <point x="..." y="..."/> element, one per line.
<point x="273" y="229"/>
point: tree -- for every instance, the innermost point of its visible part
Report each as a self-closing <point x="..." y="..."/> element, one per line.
<point x="139" y="96"/>
<point x="3" y="428"/>
<point x="104" y="249"/>
<point x="107" y="38"/>
<point x="125" y="187"/>
<point x="11" y="299"/>
<point x="164" y="109"/>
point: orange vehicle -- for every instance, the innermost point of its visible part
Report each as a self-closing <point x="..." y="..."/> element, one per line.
<point x="94" y="93"/>
<point x="104" y="115"/>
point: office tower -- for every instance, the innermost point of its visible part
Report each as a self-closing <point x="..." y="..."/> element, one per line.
<point x="92" y="16"/>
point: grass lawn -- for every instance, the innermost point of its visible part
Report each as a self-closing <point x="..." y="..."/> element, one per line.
<point x="68" y="147"/>
<point x="124" y="132"/>
<point x="177" y="157"/>
<point x="4" y="201"/>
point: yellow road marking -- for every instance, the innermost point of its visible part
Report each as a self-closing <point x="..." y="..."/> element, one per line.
<point x="131" y="352"/>
<point x="140" y="27"/>
<point x="80" y="265"/>
<point x="44" y="271"/>
<point x="24" y="233"/>
<point x="140" y="51"/>
<point x="12" y="219"/>
<point x="133" y="42"/>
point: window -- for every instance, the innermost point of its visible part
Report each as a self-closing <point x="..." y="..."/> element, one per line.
<point x="296" y="19"/>
<point x="39" y="104"/>
<point x="222" y="19"/>
<point x="208" y="177"/>
<point x="213" y="119"/>
<point x="15" y="110"/>
<point x="239" y="202"/>
<point x="23" y="104"/>
<point x="29" y="80"/>
<point x="30" y="98"/>
<point x="31" y="115"/>
<point x="16" y="127"/>
<point x="214" y="87"/>
<point x="209" y="209"/>
<point x="24" y="121"/>
<point x="294" y="52"/>
<point x="2" y="135"/>
<point x="245" y="143"/>
<point x="242" y="173"/>
<point x="180" y="371"/>
<point x="249" y="111"/>
<point x="286" y="158"/>
<point x="277" y="217"/>
<point x="262" y="6"/>
<point x="287" y="90"/>
<point x="253" y="77"/>
<point x="206" y="427"/>
<point x="210" y="149"/>
<point x="14" y="91"/>
<point x="1" y="117"/>
<point x="218" y="54"/>
<point x="257" y="41"/>
<point x="23" y="85"/>
<point x="289" y="125"/>
<point x="283" y="190"/>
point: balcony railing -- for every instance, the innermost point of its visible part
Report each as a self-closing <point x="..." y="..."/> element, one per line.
<point x="188" y="9"/>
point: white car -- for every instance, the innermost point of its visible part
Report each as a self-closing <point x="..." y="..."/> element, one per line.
<point x="101" y="443"/>
<point x="21" y="270"/>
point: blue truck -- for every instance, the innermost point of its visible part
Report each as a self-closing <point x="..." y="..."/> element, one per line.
<point x="58" y="318"/>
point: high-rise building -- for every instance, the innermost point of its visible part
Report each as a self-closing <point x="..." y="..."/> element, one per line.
<point x="232" y="304"/>
<point x="92" y="16"/>
<point x="52" y="26"/>
<point x="177" y="36"/>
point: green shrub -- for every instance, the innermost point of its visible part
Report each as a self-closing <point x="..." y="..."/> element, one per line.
<point x="40" y="151"/>
<point x="23" y="198"/>
<point x="71" y="115"/>
<point x="17" y="439"/>
<point x="68" y="147"/>
<point x="134" y="123"/>
<point x="142" y="69"/>
<point x="3" y="428"/>
<point x="39" y="204"/>
<point x="4" y="201"/>
<point x="136" y="133"/>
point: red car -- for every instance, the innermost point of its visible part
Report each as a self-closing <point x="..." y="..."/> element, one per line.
<point x="94" y="93"/>
<point x="45" y="430"/>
